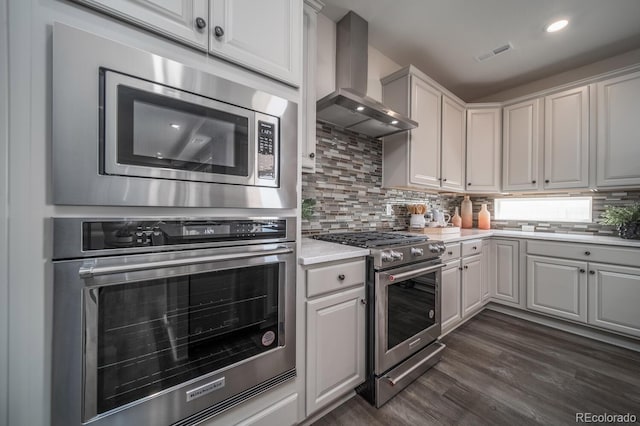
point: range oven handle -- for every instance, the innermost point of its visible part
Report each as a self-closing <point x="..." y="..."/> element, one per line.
<point x="93" y="271"/>
<point x="414" y="273"/>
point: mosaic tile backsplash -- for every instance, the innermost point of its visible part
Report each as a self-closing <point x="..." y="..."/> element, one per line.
<point x="347" y="188"/>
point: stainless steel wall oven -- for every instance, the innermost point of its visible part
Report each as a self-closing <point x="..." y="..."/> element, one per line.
<point x="134" y="128"/>
<point x="169" y="321"/>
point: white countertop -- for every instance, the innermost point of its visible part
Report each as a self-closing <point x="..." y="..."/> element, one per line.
<point x="316" y="251"/>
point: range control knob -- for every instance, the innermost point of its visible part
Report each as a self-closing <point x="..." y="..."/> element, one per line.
<point x="415" y="251"/>
<point x="385" y="256"/>
<point x="434" y="248"/>
<point x="396" y="255"/>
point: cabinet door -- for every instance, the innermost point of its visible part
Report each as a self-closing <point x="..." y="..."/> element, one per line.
<point x="566" y="139"/>
<point x="263" y="35"/>
<point x="486" y="262"/>
<point x="471" y="284"/>
<point x="614" y="296"/>
<point x="451" y="309"/>
<point x="618" y="130"/>
<point x="335" y="346"/>
<point x="483" y="150"/>
<point x="521" y="146"/>
<point x="453" y="144"/>
<point x="557" y="287"/>
<point x="505" y="285"/>
<point x="425" y="139"/>
<point x="173" y="19"/>
<point x="310" y="32"/>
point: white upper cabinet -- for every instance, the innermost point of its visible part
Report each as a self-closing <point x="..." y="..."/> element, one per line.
<point x="185" y="21"/>
<point x="566" y="139"/>
<point x="264" y="35"/>
<point x="521" y="146"/>
<point x="483" y="149"/>
<point x="425" y="139"/>
<point x="618" y="160"/>
<point x="453" y="144"/>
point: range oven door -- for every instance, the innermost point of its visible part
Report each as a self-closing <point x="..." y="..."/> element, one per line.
<point x="407" y="303"/>
<point x="154" y="339"/>
<point x="155" y="131"/>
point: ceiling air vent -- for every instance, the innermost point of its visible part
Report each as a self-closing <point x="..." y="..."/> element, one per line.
<point x="494" y="52"/>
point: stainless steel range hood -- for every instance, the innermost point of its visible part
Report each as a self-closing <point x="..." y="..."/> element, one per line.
<point x="349" y="106"/>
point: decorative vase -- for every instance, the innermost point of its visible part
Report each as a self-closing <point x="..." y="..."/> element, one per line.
<point x="484" y="218"/>
<point x="456" y="220"/>
<point x="417" y="221"/>
<point x="629" y="230"/>
<point x="467" y="213"/>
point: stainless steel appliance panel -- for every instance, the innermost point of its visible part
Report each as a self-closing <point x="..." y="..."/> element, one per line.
<point x="75" y="336"/>
<point x="77" y="130"/>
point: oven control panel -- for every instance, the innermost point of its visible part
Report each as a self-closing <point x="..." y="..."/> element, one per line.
<point x="384" y="258"/>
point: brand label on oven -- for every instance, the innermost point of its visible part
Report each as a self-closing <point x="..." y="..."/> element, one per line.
<point x="205" y="389"/>
<point x="268" y="338"/>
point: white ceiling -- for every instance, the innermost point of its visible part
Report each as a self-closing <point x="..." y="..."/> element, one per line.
<point x="442" y="37"/>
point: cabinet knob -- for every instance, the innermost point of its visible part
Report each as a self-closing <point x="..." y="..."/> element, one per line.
<point x="362" y="301"/>
<point x="582" y="271"/>
<point x="444" y="180"/>
<point x="201" y="23"/>
<point x="587" y="253"/>
<point x="341" y="277"/>
<point x="475" y="248"/>
<point x="592" y="272"/>
<point x="312" y="155"/>
<point x="466" y="267"/>
<point x="218" y="31"/>
<point x="450" y="253"/>
<point x="546" y="181"/>
<point x="533" y="181"/>
<point x="469" y="184"/>
<point x="460" y="269"/>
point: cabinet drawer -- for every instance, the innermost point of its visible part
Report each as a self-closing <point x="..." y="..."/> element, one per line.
<point x="471" y="247"/>
<point x="452" y="251"/>
<point x="330" y="278"/>
<point x="586" y="252"/>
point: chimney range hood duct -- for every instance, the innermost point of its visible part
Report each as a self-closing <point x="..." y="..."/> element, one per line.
<point x="349" y="107"/>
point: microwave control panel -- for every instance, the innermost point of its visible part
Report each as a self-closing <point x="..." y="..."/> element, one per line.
<point x="266" y="150"/>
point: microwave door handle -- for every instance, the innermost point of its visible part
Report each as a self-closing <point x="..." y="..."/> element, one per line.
<point x="90" y="271"/>
<point x="414" y="273"/>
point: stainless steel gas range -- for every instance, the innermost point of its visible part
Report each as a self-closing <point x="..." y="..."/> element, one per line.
<point x="404" y="298"/>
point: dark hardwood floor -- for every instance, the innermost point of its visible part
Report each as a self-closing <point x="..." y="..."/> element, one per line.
<point x="500" y="370"/>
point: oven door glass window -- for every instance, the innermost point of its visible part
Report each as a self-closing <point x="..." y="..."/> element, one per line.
<point x="156" y="334"/>
<point x="411" y="306"/>
<point x="160" y="131"/>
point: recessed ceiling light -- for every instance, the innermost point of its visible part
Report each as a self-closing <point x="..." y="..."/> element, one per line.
<point x="394" y="122"/>
<point x="360" y="108"/>
<point x="557" y="26"/>
<point x="175" y="126"/>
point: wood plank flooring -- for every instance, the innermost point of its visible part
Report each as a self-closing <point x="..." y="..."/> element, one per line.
<point x="501" y="370"/>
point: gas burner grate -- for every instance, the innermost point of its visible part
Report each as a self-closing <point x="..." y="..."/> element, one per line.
<point x="370" y="239"/>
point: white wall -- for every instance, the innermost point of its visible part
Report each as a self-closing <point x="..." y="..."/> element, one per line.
<point x="379" y="65"/>
<point x="600" y="67"/>
<point x="4" y="289"/>
<point x="30" y="276"/>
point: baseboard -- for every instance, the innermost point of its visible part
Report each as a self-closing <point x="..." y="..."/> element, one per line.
<point x="329" y="408"/>
<point x="580" y="330"/>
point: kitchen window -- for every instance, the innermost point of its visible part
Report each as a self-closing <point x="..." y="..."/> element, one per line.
<point x="551" y="209"/>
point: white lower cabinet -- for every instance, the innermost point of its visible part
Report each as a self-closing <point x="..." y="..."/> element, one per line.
<point x="282" y="413"/>
<point x="335" y="345"/>
<point x="471" y="284"/>
<point x="505" y="271"/>
<point x="557" y="287"/>
<point x="486" y="265"/>
<point x="614" y="298"/>
<point x="451" y="299"/>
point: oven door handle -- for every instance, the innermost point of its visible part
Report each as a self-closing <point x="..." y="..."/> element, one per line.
<point x="414" y="273"/>
<point x="90" y="271"/>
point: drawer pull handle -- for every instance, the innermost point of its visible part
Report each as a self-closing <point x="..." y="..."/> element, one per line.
<point x="475" y="248"/>
<point x="592" y="272"/>
<point x="582" y="271"/>
<point x="587" y="253"/>
<point x="341" y="277"/>
<point x="466" y="267"/>
<point x="450" y="253"/>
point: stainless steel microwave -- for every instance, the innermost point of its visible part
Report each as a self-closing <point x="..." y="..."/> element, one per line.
<point x="132" y="128"/>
